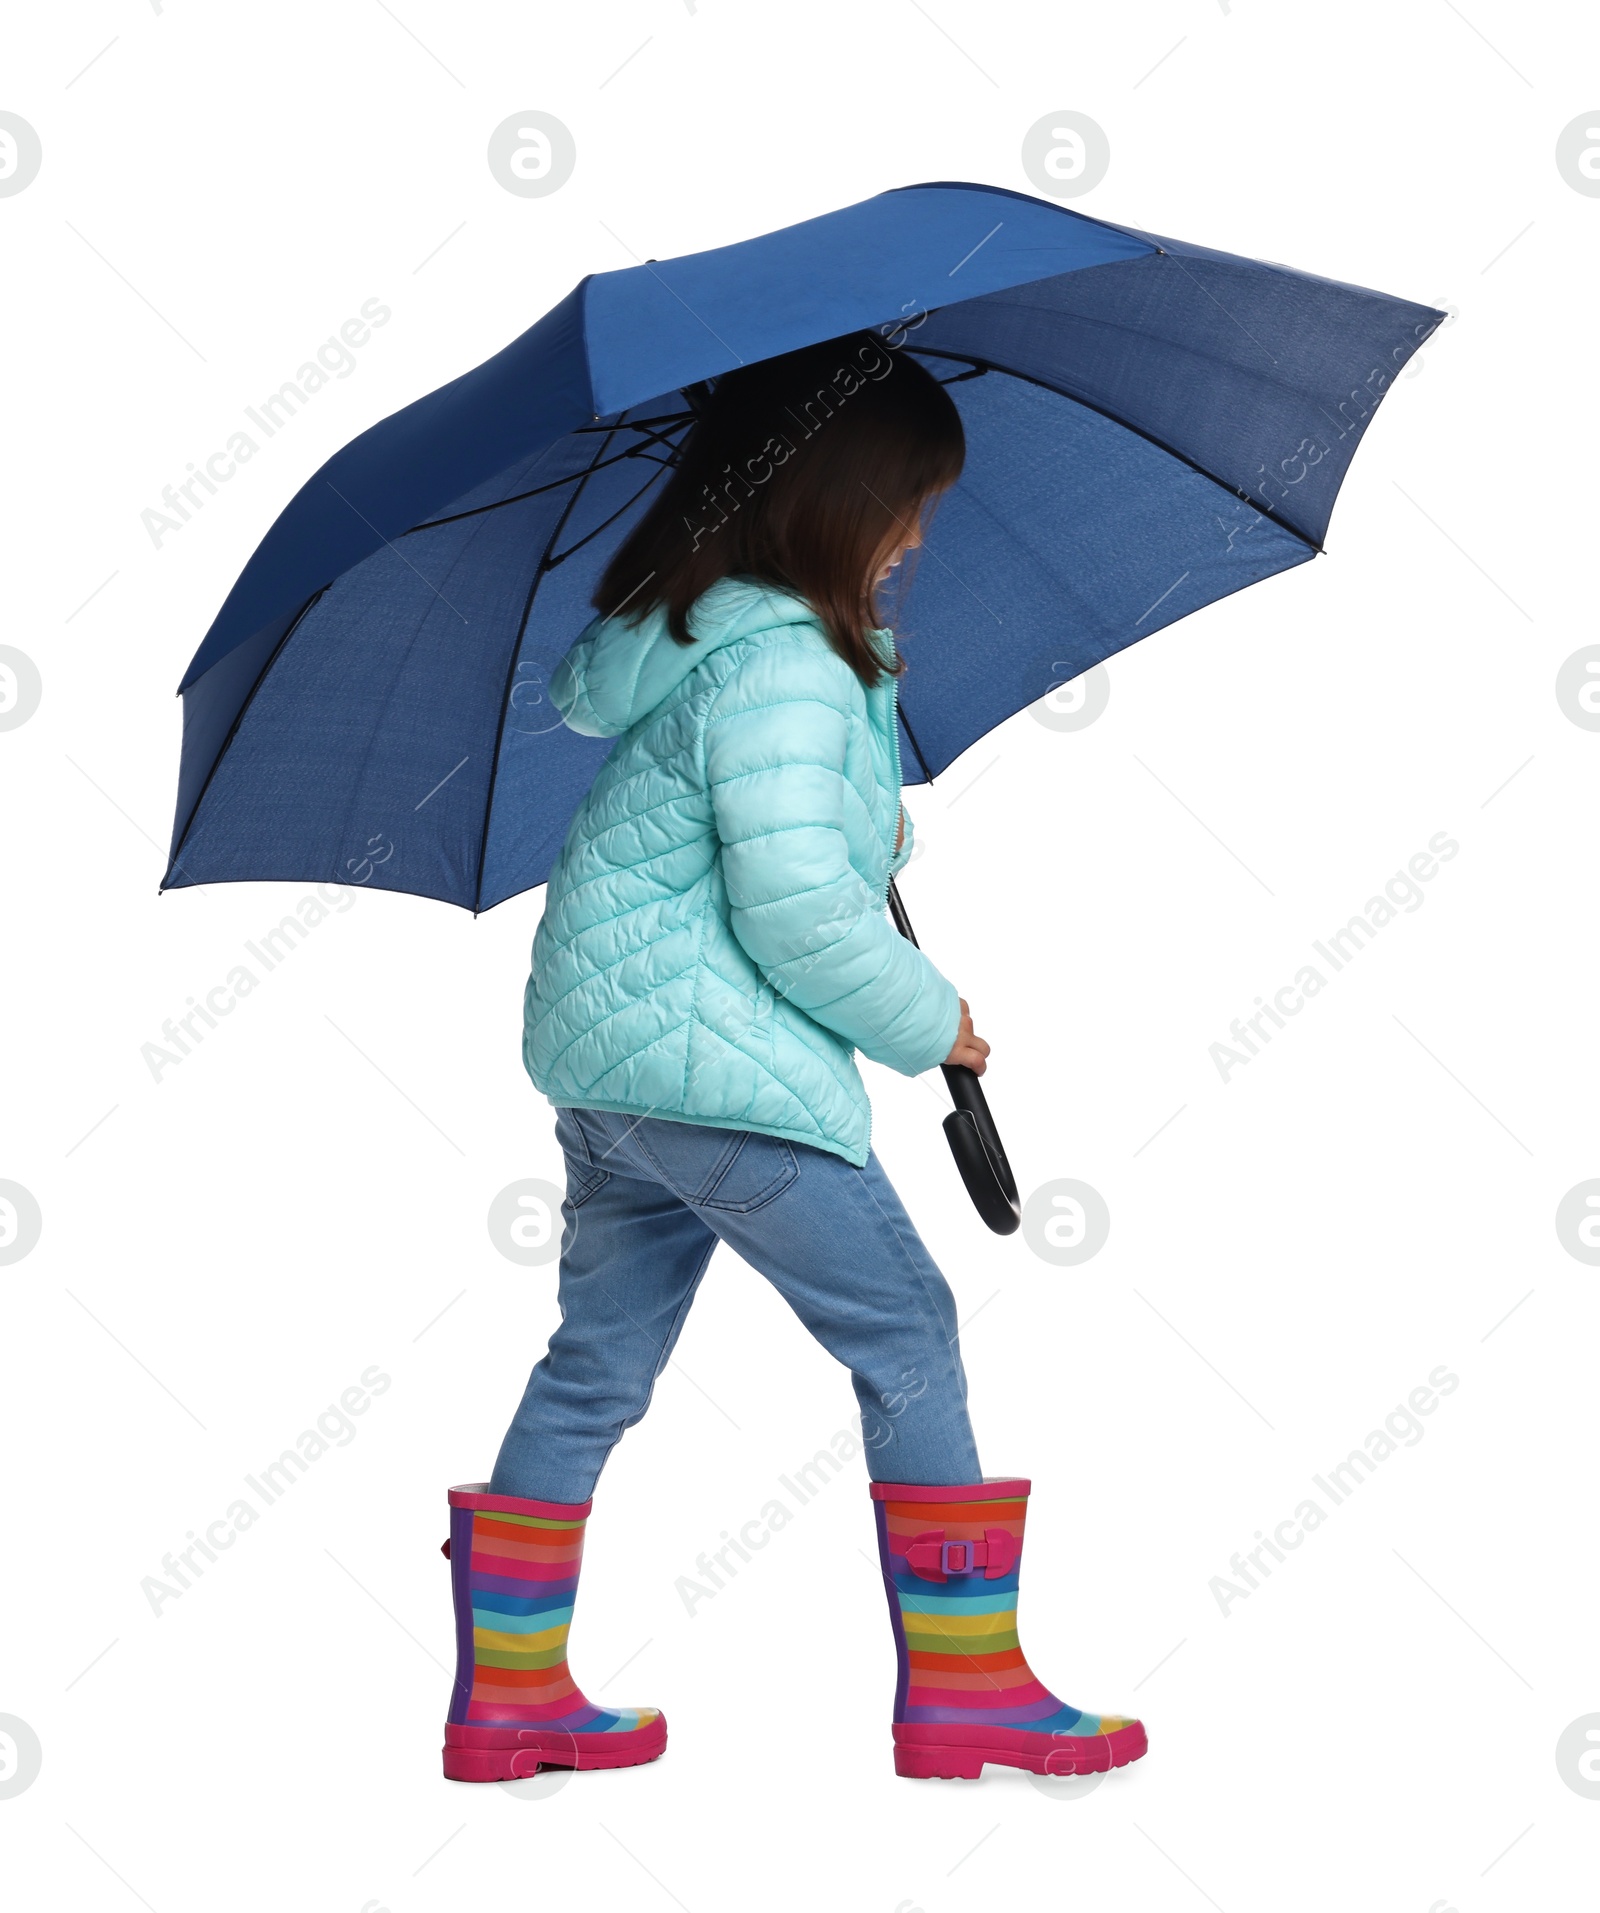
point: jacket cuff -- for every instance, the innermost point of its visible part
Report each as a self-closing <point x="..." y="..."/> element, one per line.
<point x="942" y="1024"/>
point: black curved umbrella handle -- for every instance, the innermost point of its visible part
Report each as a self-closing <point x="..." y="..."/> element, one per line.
<point x="970" y="1128"/>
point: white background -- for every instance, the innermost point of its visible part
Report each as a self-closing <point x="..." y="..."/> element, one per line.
<point x="225" y="1250"/>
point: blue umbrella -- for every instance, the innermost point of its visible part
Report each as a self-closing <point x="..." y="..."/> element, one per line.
<point x="1150" y="426"/>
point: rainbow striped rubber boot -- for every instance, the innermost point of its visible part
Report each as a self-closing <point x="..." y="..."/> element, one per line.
<point x="515" y="1708"/>
<point x="966" y="1693"/>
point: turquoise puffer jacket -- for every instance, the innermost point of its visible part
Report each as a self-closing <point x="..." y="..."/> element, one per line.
<point x="715" y="944"/>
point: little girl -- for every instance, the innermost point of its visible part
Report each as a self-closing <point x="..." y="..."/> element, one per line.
<point x="714" y="950"/>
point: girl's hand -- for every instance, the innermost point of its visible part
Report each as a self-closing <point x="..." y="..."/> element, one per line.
<point x="969" y="1050"/>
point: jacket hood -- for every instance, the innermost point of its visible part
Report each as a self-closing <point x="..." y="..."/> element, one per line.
<point x="620" y="670"/>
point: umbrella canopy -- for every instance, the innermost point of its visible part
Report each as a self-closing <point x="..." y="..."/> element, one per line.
<point x="1150" y="426"/>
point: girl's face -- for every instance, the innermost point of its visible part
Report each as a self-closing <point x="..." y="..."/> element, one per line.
<point x="899" y="543"/>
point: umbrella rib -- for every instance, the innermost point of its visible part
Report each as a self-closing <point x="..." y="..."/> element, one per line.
<point x="555" y="484"/>
<point x="637" y="424"/>
<point x="561" y="557"/>
<point x="649" y="436"/>
<point x="927" y="768"/>
<point x="176" y="862"/>
<point x="991" y="365"/>
<point x="539" y="572"/>
<point x="578" y="480"/>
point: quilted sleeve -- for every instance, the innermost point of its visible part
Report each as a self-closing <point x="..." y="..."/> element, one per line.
<point x="775" y="739"/>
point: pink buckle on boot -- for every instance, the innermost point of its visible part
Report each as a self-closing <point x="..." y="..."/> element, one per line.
<point x="932" y="1558"/>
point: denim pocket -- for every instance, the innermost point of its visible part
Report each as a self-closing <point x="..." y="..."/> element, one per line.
<point x="581" y="1184"/>
<point x="759" y="1169"/>
<point x="583" y="1178"/>
<point x="709" y="1167"/>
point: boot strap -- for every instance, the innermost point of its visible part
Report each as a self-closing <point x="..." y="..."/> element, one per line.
<point x="931" y="1557"/>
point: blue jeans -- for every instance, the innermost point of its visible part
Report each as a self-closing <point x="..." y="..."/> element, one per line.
<point x="647" y="1201"/>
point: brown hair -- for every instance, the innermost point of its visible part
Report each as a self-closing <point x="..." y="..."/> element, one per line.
<point x="803" y="471"/>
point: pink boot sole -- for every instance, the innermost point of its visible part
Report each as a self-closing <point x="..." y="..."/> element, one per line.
<point x="950" y="1752"/>
<point x="517" y="1753"/>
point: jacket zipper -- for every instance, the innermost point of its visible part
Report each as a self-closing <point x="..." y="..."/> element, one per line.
<point x="894" y="745"/>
